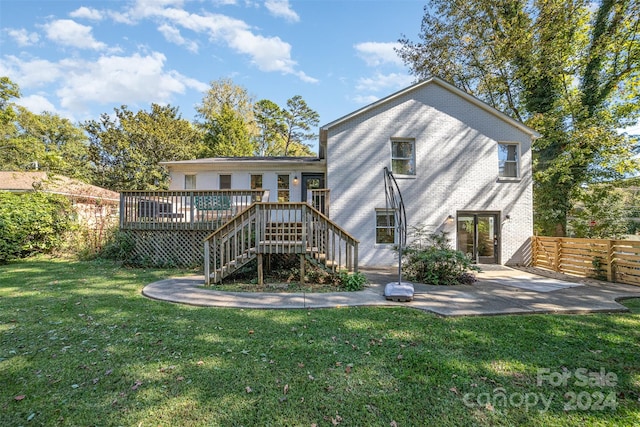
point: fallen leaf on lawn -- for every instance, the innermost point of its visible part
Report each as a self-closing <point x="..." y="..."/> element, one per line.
<point x="400" y="357"/>
<point x="180" y="378"/>
<point x="311" y="377"/>
<point x="300" y="365"/>
<point x="337" y="420"/>
<point x="136" y="385"/>
<point x="248" y="389"/>
<point x="251" y="332"/>
<point x="19" y="398"/>
<point x="393" y="424"/>
<point x="285" y="390"/>
<point x="108" y="371"/>
<point x="489" y="407"/>
<point x="348" y="369"/>
<point x="453" y="389"/>
<point x="245" y="352"/>
<point x="200" y="363"/>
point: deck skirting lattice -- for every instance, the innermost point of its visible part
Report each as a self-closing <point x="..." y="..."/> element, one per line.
<point x="179" y="248"/>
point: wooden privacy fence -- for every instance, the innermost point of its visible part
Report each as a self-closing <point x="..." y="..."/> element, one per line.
<point x="612" y="260"/>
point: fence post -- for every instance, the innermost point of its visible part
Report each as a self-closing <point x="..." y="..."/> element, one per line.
<point x="534" y="251"/>
<point x="611" y="272"/>
<point x="556" y="257"/>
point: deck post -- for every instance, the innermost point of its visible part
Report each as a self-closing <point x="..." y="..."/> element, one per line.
<point x="302" y="269"/>
<point x="260" y="270"/>
<point x="207" y="276"/>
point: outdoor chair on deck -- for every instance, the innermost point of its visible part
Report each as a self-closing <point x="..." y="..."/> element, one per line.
<point x="213" y="207"/>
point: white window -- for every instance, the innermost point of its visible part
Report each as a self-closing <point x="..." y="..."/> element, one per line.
<point x="225" y="182"/>
<point x="385" y="226"/>
<point x="403" y="156"/>
<point x="283" y="188"/>
<point x="508" y="160"/>
<point x="189" y="182"/>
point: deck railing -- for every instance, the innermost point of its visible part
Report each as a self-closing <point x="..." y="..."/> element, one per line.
<point x="320" y="199"/>
<point x="278" y="228"/>
<point x="184" y="209"/>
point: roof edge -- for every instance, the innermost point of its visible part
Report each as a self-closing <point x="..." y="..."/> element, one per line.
<point x="451" y="88"/>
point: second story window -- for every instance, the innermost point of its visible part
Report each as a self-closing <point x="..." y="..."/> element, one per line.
<point x="508" y="160"/>
<point x="403" y="156"/>
<point x="256" y="184"/>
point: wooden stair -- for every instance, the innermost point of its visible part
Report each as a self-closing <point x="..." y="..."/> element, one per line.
<point x="278" y="228"/>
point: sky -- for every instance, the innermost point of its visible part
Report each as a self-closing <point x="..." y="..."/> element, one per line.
<point x="83" y="58"/>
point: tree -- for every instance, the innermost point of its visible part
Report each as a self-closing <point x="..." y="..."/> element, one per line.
<point x="600" y="212"/>
<point x="226" y="118"/>
<point x="272" y="128"/>
<point x="125" y="150"/>
<point x="283" y="131"/>
<point x="564" y="68"/>
<point x="39" y="141"/>
<point x="49" y="142"/>
<point x="299" y="119"/>
<point x="8" y="131"/>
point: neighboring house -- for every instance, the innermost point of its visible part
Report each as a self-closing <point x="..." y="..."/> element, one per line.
<point x="95" y="206"/>
<point x="463" y="168"/>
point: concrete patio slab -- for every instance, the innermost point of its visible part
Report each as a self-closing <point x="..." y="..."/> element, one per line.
<point x="499" y="290"/>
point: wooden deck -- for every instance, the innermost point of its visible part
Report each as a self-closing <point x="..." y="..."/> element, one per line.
<point x="169" y="227"/>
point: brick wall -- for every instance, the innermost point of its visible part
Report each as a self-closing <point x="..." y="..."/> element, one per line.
<point x="456" y="170"/>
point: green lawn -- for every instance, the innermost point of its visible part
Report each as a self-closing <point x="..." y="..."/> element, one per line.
<point x="80" y="346"/>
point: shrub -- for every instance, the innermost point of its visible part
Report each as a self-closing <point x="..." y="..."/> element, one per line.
<point x="33" y="223"/>
<point x="120" y="246"/>
<point x="437" y="264"/>
<point x="351" y="281"/>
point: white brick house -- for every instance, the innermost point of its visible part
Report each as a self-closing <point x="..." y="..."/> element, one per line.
<point x="463" y="168"/>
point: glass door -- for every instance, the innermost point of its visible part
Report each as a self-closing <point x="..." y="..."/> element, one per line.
<point x="311" y="181"/>
<point x="478" y="236"/>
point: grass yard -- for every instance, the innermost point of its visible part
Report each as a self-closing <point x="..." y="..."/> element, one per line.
<point x="80" y="346"/>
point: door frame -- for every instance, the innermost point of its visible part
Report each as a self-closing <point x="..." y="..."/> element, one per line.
<point x="303" y="182"/>
<point x="497" y="239"/>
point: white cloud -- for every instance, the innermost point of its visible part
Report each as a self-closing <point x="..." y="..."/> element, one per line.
<point x="80" y="84"/>
<point x="365" y="99"/>
<point x="375" y="54"/>
<point x="22" y="37"/>
<point x="87" y="13"/>
<point x="281" y="9"/>
<point x="120" y="79"/>
<point x="172" y="34"/>
<point x="36" y="104"/>
<point x="30" y="73"/>
<point x="386" y="82"/>
<point x="69" y="33"/>
<point x="269" y="54"/>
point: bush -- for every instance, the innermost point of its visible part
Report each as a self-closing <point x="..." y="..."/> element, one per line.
<point x="437" y="264"/>
<point x="33" y="223"/>
<point x="351" y="281"/>
<point x="120" y="246"/>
